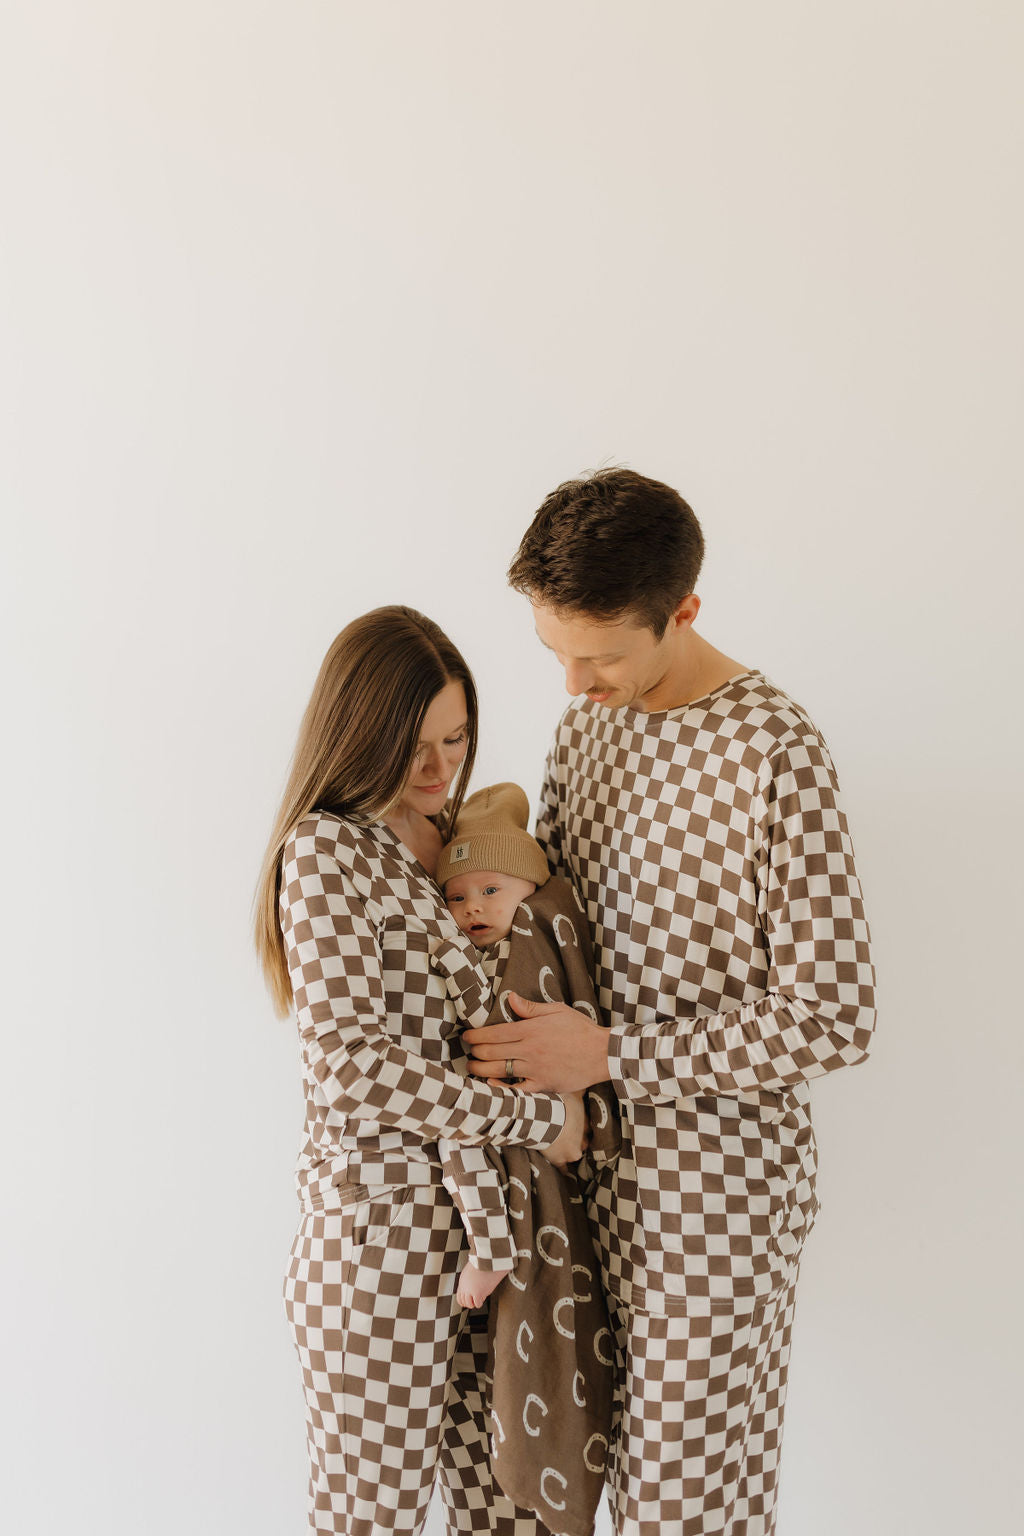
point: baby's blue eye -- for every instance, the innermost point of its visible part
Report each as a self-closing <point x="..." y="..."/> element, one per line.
<point x="453" y="901"/>
<point x="490" y="890"/>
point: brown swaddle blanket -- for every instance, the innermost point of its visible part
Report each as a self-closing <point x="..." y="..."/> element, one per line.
<point x="551" y="1346"/>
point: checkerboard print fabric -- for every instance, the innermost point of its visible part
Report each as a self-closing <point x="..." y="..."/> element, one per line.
<point x="732" y="956"/>
<point x="699" y="1427"/>
<point x="361" y="921"/>
<point x="394" y="1371"/>
<point x="395" y="1380"/>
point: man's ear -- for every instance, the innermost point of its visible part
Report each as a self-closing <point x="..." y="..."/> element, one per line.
<point x="686" y="612"/>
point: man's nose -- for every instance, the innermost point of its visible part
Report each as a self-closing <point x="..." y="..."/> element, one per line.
<point x="576" y="677"/>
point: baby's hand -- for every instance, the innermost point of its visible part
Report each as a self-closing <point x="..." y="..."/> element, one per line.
<point x="475" y="1285"/>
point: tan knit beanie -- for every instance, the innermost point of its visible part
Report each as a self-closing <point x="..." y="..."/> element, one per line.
<point x="491" y="834"/>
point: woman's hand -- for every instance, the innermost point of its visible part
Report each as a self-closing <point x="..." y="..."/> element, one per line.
<point x="475" y="1285"/>
<point x="574" y="1137"/>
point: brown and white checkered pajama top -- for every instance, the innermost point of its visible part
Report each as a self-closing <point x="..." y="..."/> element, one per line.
<point x="362" y="924"/>
<point x="732" y="957"/>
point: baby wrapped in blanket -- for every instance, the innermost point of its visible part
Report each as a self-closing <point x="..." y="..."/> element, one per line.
<point x="530" y="1242"/>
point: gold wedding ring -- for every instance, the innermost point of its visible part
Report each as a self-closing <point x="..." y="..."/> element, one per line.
<point x="510" y="1075"/>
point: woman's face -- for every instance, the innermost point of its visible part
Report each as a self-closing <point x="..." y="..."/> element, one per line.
<point x="444" y="737"/>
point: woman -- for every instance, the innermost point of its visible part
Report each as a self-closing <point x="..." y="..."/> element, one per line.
<point x="349" y="918"/>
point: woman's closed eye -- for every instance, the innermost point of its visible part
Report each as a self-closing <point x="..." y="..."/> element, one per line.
<point x="449" y="741"/>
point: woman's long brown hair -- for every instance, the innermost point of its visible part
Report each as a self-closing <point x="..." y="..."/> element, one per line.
<point x="356" y="745"/>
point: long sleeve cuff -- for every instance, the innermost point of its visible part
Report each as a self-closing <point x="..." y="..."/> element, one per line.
<point x="490" y="1241"/>
<point x="472" y="1181"/>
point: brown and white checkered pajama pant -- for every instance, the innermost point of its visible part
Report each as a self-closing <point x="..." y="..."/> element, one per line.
<point x="393" y="1370"/>
<point x="699" y="1419"/>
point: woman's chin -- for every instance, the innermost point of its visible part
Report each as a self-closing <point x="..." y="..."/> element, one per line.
<point x="427" y="801"/>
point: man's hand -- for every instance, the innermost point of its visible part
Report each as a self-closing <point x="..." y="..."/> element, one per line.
<point x="551" y="1047"/>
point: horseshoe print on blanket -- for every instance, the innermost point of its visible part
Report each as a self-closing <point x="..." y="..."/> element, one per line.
<point x="552" y="1347"/>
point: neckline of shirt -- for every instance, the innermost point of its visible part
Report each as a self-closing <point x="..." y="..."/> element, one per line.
<point x="677" y="710"/>
<point x="405" y="851"/>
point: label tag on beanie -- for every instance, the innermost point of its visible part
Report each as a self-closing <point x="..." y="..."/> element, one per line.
<point x="460" y="853"/>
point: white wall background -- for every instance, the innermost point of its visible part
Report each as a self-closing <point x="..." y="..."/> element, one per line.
<point x="305" y="308"/>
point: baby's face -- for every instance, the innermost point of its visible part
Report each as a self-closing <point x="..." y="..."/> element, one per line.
<point x="484" y="904"/>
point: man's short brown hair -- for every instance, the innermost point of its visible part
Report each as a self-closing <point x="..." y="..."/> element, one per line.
<point x="611" y="546"/>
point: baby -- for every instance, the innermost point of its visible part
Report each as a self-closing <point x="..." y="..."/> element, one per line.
<point x="518" y="1209"/>
<point x="487" y="871"/>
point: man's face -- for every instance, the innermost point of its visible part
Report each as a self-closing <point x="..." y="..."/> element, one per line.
<point x="616" y="664"/>
<point x="484" y="903"/>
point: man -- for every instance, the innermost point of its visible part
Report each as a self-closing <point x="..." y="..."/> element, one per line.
<point x="696" y="808"/>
